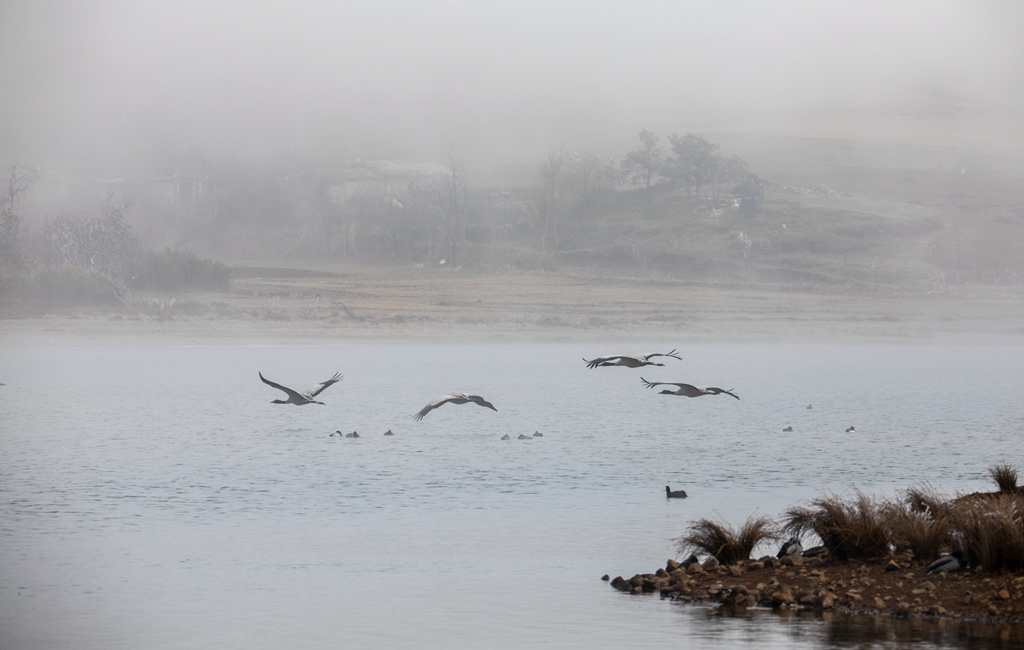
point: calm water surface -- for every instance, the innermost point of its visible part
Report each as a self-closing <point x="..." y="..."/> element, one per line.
<point x="154" y="498"/>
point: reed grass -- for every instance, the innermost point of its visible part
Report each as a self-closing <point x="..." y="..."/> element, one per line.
<point x="924" y="532"/>
<point x="1004" y="476"/>
<point x="848" y="528"/>
<point x="990" y="532"/>
<point x="724" y="543"/>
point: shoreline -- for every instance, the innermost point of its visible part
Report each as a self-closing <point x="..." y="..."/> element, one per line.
<point x="403" y="304"/>
<point x="897" y="588"/>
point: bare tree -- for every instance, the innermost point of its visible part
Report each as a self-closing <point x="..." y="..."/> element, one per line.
<point x="550" y="200"/>
<point x="18" y="181"/>
<point x="452" y="202"/>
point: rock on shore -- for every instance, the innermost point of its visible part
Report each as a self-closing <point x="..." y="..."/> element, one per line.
<point x="898" y="587"/>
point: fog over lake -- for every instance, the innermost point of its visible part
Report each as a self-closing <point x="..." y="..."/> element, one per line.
<point x="814" y="204"/>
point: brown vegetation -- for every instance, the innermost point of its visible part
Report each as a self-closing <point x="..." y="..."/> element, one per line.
<point x="854" y="528"/>
<point x="868" y="547"/>
<point x="722" y="542"/>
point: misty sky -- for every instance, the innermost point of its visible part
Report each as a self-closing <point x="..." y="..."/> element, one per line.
<point x="394" y="79"/>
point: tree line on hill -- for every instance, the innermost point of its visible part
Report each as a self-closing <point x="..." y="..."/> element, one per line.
<point x="96" y="258"/>
<point x="358" y="213"/>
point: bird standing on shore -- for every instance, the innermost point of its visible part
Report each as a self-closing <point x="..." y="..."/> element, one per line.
<point x="300" y="399"/>
<point x="630" y="361"/>
<point x="454" y="398"/>
<point x="688" y="390"/>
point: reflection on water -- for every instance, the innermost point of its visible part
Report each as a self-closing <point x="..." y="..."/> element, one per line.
<point x="847" y="631"/>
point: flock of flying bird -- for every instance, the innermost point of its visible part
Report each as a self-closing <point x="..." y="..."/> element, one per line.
<point x="626" y="361"/>
<point x="946" y="563"/>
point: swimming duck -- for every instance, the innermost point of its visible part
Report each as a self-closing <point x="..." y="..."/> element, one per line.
<point x="336" y="433"/>
<point x="506" y="437"/>
<point x="525" y="437"/>
<point x="810" y="406"/>
<point x="677" y="494"/>
<point x="850" y="430"/>
<point x="538" y="434"/>
<point x="352" y="435"/>
<point x="389" y="432"/>
<point x="788" y="430"/>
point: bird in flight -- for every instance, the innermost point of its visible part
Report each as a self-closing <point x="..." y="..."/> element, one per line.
<point x="298" y="399"/>
<point x="454" y="398"/>
<point x="630" y="361"/>
<point x="688" y="390"/>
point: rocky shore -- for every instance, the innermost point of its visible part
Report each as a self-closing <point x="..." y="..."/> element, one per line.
<point x="898" y="587"/>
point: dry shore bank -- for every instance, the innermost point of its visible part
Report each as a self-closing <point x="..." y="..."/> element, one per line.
<point x="897" y="587"/>
<point x="414" y="303"/>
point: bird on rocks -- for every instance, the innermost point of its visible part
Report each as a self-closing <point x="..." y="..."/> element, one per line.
<point x="688" y="390"/>
<point x="676" y="494"/>
<point x="947" y="563"/>
<point x="792" y="546"/>
<point x="630" y="361"/>
<point x="454" y="398"/>
<point x="301" y="399"/>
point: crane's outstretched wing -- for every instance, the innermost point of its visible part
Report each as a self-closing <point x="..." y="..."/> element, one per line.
<point x="440" y="401"/>
<point x="668" y="354"/>
<point x="718" y="391"/>
<point x="605" y="361"/>
<point x="330" y="382"/>
<point x="291" y="393"/>
<point x="652" y="384"/>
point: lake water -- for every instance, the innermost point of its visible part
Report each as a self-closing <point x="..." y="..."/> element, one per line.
<point x="154" y="498"/>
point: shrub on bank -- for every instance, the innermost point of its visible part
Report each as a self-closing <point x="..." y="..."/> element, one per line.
<point x="848" y="528"/>
<point x="987" y="527"/>
<point x="723" y="542"/>
<point x="63" y="285"/>
<point x="1005" y="477"/>
<point x="170" y="270"/>
<point x="925" y="533"/>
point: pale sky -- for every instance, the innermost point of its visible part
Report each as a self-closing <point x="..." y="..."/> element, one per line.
<point x="395" y="79"/>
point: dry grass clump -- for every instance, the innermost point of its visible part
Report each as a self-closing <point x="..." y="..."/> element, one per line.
<point x="920" y="522"/>
<point x="724" y="543"/>
<point x="854" y="528"/>
<point x="925" y="534"/>
<point x="1004" y="476"/>
<point x="926" y="499"/>
<point x="990" y="531"/>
